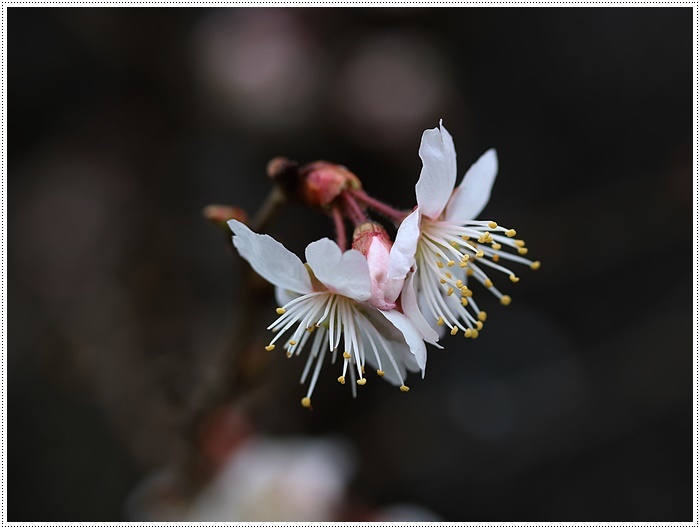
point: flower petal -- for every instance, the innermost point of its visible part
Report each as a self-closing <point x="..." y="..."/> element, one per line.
<point x="402" y="255"/>
<point x="271" y="259"/>
<point x="346" y="273"/>
<point x="412" y="311"/>
<point x="439" y="172"/>
<point x="411" y="335"/>
<point x="472" y="195"/>
<point x="284" y="296"/>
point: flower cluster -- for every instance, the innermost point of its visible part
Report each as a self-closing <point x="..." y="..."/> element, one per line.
<point x="379" y="302"/>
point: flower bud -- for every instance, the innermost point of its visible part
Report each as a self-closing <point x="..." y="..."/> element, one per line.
<point x="372" y="240"/>
<point x="322" y="182"/>
<point x="218" y="215"/>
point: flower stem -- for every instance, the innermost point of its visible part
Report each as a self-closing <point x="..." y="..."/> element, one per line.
<point x="386" y="210"/>
<point x="341" y="236"/>
<point x="353" y="210"/>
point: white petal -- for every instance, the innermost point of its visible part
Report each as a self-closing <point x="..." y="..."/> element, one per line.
<point x="411" y="335"/>
<point x="473" y="193"/>
<point x="284" y="296"/>
<point x="439" y="172"/>
<point x="413" y="313"/>
<point x="343" y="273"/>
<point x="402" y="255"/>
<point x="271" y="259"/>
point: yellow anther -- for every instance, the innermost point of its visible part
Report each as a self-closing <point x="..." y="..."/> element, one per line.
<point x="306" y="402"/>
<point x="481" y="316"/>
<point x="479" y="254"/>
<point x="270" y="347"/>
<point x="505" y="300"/>
<point x="488" y="283"/>
<point x="289" y="354"/>
<point x="454" y="244"/>
<point x="292" y="342"/>
<point x="468" y="333"/>
<point x="280" y="310"/>
<point x="346" y="355"/>
<point x="483" y="238"/>
<point x="463" y="264"/>
<point x="475" y="334"/>
<point x="535" y="266"/>
<point x="443" y="281"/>
<point x="464" y="301"/>
<point x="380" y="372"/>
<point x="341" y="379"/>
<point x="495" y="258"/>
<point x="363" y="369"/>
<point x="466" y="292"/>
<point x="440" y="321"/>
<point x="496" y="246"/>
<point x="522" y="251"/>
<point x="489" y="239"/>
<point x="439" y="264"/>
<point x="479" y="325"/>
<point x="454" y="331"/>
<point x="511" y="233"/>
<point x="450" y="263"/>
<point x="519" y="243"/>
<point x="465" y="237"/>
<point x="438" y="255"/>
<point x="459" y="283"/>
<point x="470" y="272"/>
<point x="448" y="275"/>
<point x="404" y="388"/>
<point x="311" y="328"/>
<point x="361" y="381"/>
<point x="493" y="225"/>
<point x="450" y="291"/>
<point x="514" y="279"/>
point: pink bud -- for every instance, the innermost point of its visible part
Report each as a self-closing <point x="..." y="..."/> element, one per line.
<point x="323" y="182"/>
<point x="373" y="241"/>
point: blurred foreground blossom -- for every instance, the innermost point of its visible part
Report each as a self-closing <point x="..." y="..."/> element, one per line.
<point x="296" y="480"/>
<point x="326" y="296"/>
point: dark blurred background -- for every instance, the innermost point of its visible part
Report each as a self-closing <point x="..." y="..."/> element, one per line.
<point x="575" y="403"/>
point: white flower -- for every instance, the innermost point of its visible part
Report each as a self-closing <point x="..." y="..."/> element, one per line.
<point x="273" y="480"/>
<point x="447" y="243"/>
<point x="326" y="299"/>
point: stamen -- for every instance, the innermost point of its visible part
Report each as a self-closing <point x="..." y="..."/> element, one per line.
<point x="522" y="251"/>
<point x="536" y="265"/>
<point x="380" y="372"/>
<point x="505" y="300"/>
<point x="306" y="402"/>
<point x="455" y="330"/>
<point x="450" y="264"/>
<point x="514" y="278"/>
<point x="404" y="388"/>
<point x="280" y="310"/>
<point x="482" y="316"/>
<point x="440" y="321"/>
<point x="511" y="233"/>
<point x="488" y="283"/>
<point x="346" y="355"/>
<point x="479" y="325"/>
<point x="270" y="347"/>
<point x="493" y="225"/>
<point x="341" y="379"/>
<point x="362" y="381"/>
